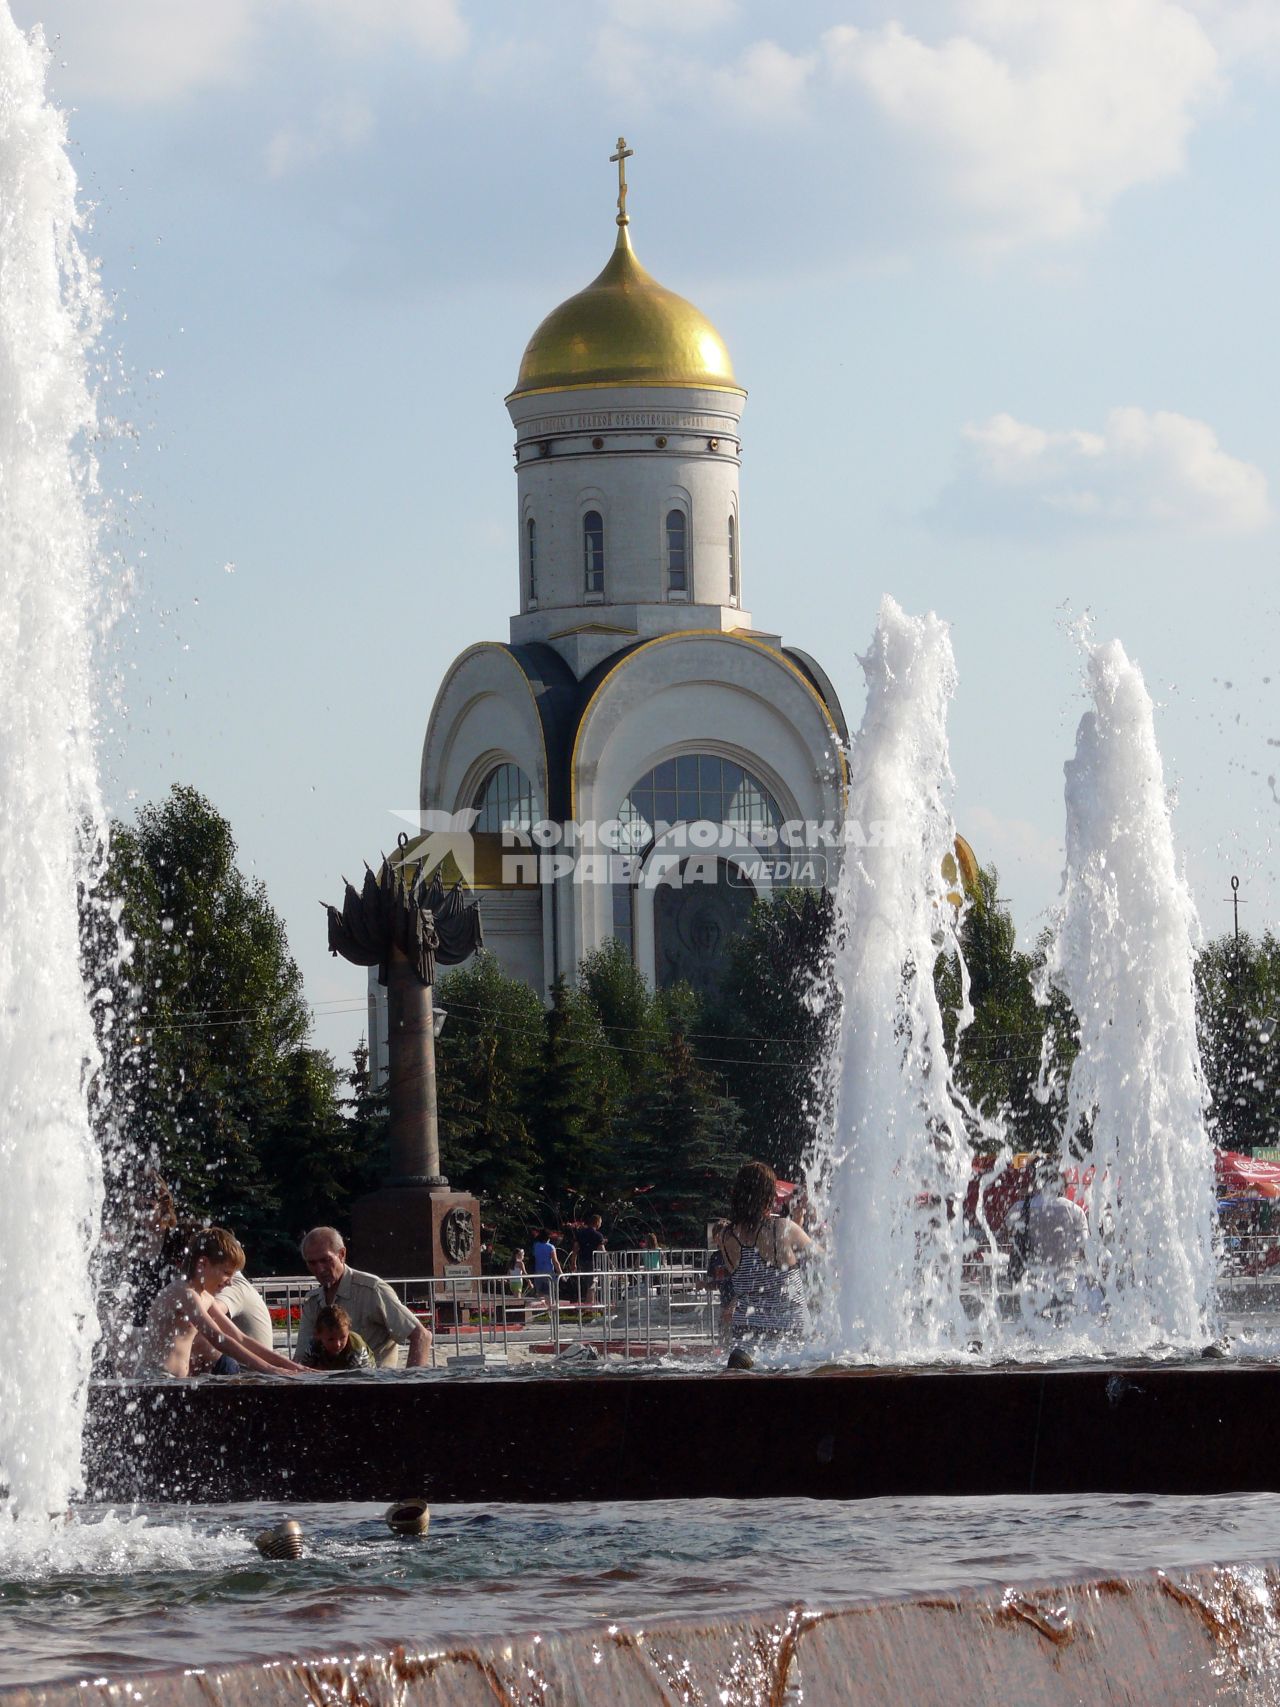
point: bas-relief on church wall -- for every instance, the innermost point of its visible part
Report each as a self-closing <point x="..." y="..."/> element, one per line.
<point x="692" y="927"/>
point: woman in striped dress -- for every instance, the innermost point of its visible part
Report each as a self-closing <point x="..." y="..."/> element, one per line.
<point x="763" y="1253"/>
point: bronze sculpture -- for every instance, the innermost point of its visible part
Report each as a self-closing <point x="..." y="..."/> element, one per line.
<point x="407" y="927"/>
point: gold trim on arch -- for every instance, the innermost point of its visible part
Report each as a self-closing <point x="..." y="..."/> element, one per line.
<point x="494" y="646"/>
<point x="742" y="638"/>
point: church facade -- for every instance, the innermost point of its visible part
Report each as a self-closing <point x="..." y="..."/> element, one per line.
<point x="632" y="760"/>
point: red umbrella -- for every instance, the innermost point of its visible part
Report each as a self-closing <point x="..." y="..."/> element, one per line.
<point x="1237" y="1173"/>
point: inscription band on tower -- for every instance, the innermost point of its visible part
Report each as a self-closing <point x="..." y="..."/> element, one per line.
<point x="596" y="419"/>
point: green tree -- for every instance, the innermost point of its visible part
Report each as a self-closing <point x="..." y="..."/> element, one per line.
<point x="490" y="1047"/>
<point x="317" y="1160"/>
<point x="574" y="1095"/>
<point x="774" y="1026"/>
<point x="998" y="1059"/>
<point x="630" y="1015"/>
<point x="210" y="1077"/>
<point x="366" y="1109"/>
<point x="1238" y="1018"/>
<point x="687" y="1140"/>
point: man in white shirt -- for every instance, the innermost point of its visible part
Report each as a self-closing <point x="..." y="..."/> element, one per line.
<point x="377" y="1315"/>
<point x="1057" y="1232"/>
<point x="247" y="1308"/>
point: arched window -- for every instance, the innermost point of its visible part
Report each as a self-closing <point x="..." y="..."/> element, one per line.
<point x="733" y="556"/>
<point x="505" y="801"/>
<point x="531" y="528"/>
<point x="677" y="551"/>
<point x="694" y="787"/>
<point x="593" y="552"/>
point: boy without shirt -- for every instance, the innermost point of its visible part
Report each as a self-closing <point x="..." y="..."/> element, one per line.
<point x="186" y="1315"/>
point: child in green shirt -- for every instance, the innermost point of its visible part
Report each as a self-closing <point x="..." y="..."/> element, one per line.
<point x="335" y="1346"/>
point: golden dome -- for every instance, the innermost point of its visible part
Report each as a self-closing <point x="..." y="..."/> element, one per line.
<point x="625" y="329"/>
<point x="960" y="868"/>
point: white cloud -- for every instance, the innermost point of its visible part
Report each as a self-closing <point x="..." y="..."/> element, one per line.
<point x="766" y="82"/>
<point x="294" y="147"/>
<point x="1046" y="111"/>
<point x="1242" y="29"/>
<point x="433" y="27"/>
<point x="161" y="51"/>
<point x="143" y="50"/>
<point x="686" y="17"/>
<point x="1143" y="469"/>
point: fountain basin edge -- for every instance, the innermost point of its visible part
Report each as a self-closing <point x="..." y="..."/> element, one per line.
<point x="1196" y="1428"/>
<point x="1195" y="1636"/>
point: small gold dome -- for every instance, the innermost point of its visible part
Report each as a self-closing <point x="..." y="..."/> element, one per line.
<point x="625" y="329"/>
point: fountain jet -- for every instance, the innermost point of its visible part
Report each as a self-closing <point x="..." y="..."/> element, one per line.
<point x="900" y="1158"/>
<point x="1123" y="956"/>
<point x="50" y="1177"/>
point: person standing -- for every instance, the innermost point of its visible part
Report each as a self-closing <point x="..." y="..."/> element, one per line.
<point x="589" y="1245"/>
<point x="374" y="1311"/>
<point x="650" y="1261"/>
<point x="1056" y="1241"/>
<point x="763" y="1253"/>
<point x="547" y="1267"/>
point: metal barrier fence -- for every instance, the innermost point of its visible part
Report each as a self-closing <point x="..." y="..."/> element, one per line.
<point x="690" y="1257"/>
<point x="616" y="1310"/>
<point x="1249" y="1256"/>
<point x="629" y="1308"/>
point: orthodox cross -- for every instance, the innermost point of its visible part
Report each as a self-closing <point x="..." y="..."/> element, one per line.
<point x="622" y="156"/>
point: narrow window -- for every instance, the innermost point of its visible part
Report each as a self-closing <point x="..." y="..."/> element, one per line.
<point x="532" y="527"/>
<point x="593" y="551"/>
<point x="733" y="556"/>
<point x="677" y="556"/>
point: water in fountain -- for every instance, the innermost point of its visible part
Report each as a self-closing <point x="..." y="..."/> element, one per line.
<point x="900" y="1153"/>
<point x="1122" y="955"/>
<point x="50" y="312"/>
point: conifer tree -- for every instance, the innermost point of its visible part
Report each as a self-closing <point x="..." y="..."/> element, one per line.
<point x="629" y="1013"/>
<point x="775" y="1023"/>
<point x="688" y="1139"/>
<point x="1238" y="1020"/>
<point x="576" y="1090"/>
<point x="319" y="1161"/>
<point x="489" y="1048"/>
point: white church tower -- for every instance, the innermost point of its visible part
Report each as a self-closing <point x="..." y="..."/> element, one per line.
<point x="634" y="694"/>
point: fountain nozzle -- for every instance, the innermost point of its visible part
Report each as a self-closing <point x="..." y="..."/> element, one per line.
<point x="408" y="1517"/>
<point x="282" y="1542"/>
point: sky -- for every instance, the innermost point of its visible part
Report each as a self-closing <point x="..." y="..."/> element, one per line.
<point x="999" y="276"/>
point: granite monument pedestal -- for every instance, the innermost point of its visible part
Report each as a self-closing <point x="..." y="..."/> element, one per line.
<point x="417" y="1231"/>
